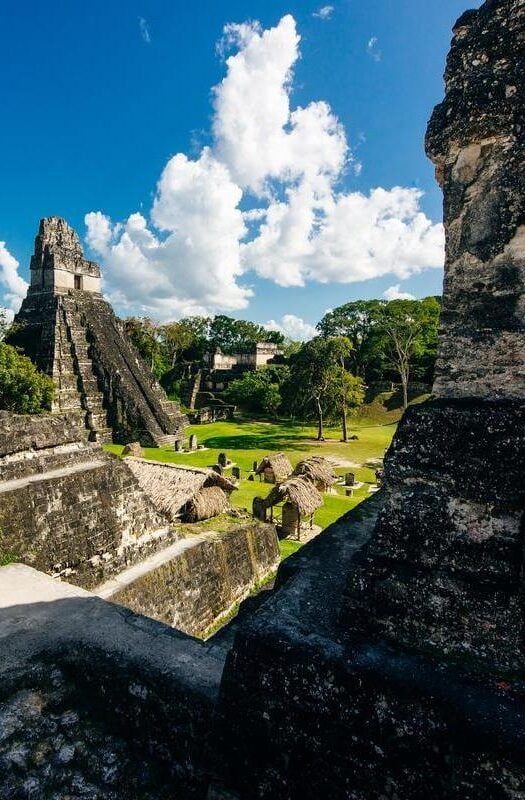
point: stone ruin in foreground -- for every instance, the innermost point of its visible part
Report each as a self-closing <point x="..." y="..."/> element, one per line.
<point x="72" y="334"/>
<point x="389" y="660"/>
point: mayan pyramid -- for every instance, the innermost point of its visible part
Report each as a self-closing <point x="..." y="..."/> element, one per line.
<point x="70" y="332"/>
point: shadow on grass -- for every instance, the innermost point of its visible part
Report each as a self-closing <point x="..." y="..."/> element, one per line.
<point x="260" y="442"/>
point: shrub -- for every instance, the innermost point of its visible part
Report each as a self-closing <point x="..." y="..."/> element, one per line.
<point x="23" y="389"/>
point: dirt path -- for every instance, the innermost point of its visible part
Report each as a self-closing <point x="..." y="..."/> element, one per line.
<point x="343" y="462"/>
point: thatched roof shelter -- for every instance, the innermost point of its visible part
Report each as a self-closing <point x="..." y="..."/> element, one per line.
<point x="172" y="486"/>
<point x="297" y="491"/>
<point x="317" y="470"/>
<point x="206" y="503"/>
<point x="275" y="467"/>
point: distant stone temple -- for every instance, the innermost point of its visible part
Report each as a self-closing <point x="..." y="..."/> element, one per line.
<point x="205" y="386"/>
<point x="71" y="333"/>
<point x="262" y="353"/>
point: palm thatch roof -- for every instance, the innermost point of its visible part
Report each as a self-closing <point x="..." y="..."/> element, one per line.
<point x="317" y="470"/>
<point x="277" y="462"/>
<point x="171" y="486"/>
<point x="206" y="503"/>
<point x="298" y="491"/>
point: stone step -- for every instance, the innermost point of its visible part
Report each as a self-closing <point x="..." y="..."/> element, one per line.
<point x="171" y="408"/>
<point x="70" y="403"/>
<point x="63" y="350"/>
<point x="84" y="365"/>
<point x="76" y="329"/>
<point x="89" y="385"/>
<point x="66" y="392"/>
<point x="97" y="421"/>
<point x="86" y="372"/>
<point x="164" y="440"/>
<point x="82" y="351"/>
<point x="101" y="435"/>
<point x="94" y="403"/>
<point x="69" y="382"/>
<point x="63" y="371"/>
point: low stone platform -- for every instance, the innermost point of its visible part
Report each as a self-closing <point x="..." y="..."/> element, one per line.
<point x="67" y="507"/>
<point x="196" y="583"/>
<point x="96" y="701"/>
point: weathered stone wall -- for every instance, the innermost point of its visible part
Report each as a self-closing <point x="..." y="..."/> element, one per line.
<point x="58" y="257"/>
<point x="389" y="661"/>
<point x="66" y="507"/>
<point x="30" y="444"/>
<point x="476" y="140"/>
<point x="203" y="584"/>
<point x="444" y="571"/>
<point x="96" y="702"/>
<point x="308" y="711"/>
<point x="138" y="409"/>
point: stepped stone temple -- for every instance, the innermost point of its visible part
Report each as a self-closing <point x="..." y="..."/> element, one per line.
<point x="388" y="661"/>
<point x="71" y="333"/>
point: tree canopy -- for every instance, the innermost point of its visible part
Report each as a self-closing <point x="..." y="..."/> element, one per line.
<point x="164" y="345"/>
<point x="408" y="330"/>
<point x="239" y="335"/>
<point x="390" y="340"/>
<point x="315" y="372"/>
<point x="23" y="389"/>
<point x="259" y="391"/>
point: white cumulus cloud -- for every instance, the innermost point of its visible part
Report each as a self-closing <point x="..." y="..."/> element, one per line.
<point x="257" y="135"/>
<point x="292" y="327"/>
<point x="194" y="268"/>
<point x="395" y="293"/>
<point x="325" y="12"/>
<point x="15" y="287"/>
<point x="194" y="251"/>
<point x="346" y="238"/>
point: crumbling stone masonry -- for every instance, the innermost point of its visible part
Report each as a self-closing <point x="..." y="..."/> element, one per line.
<point x="205" y="583"/>
<point x="67" y="507"/>
<point x="75" y="512"/>
<point x="71" y="333"/>
<point x="96" y="702"/>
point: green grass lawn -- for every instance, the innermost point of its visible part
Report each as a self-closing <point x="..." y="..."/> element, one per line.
<point x="245" y="441"/>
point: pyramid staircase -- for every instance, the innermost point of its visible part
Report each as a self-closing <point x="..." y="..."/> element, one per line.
<point x="77" y="382"/>
<point x="94" y="349"/>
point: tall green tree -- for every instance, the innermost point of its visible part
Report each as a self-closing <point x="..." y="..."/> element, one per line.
<point x="239" y="335"/>
<point x="313" y="375"/>
<point x="175" y="338"/>
<point x="388" y="338"/>
<point x="345" y="394"/>
<point x="357" y="321"/>
<point x="23" y="389"/>
<point x="409" y="330"/>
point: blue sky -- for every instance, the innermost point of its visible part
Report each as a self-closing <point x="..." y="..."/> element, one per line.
<point x="97" y="98"/>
